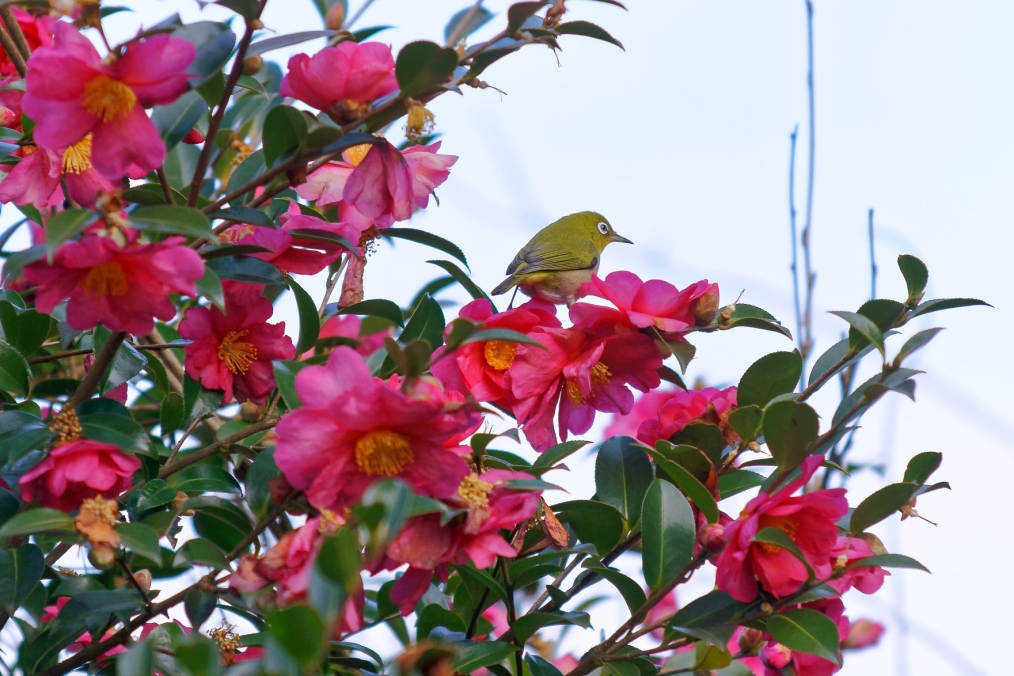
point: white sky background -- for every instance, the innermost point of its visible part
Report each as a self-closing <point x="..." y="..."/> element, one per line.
<point x="682" y="142"/>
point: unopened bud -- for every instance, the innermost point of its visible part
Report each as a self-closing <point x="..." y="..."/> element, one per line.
<point x="296" y="175"/>
<point x="775" y="656"/>
<point x="252" y="65"/>
<point x="7" y="116"/>
<point x="335" y="16"/>
<point x="712" y="536"/>
<point x="766" y="609"/>
<point x="143" y="579"/>
<point x="750" y="640"/>
<point x="875" y="544"/>
<point x="250" y="412"/>
<point x="705" y="307"/>
<point x="863" y="633"/>
<point x="102" y="557"/>
<point x="256" y="24"/>
<point x="193" y="137"/>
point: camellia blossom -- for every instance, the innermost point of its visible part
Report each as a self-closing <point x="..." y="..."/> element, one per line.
<point x="583" y="376"/>
<point x="36" y="178"/>
<point x="638" y="304"/>
<point x="646" y="406"/>
<point x="342" y="80"/>
<point x="810" y="520"/>
<point x="233" y="351"/>
<point x="777" y="657"/>
<point x="375" y="184"/>
<point x="847" y="552"/>
<point x="113" y="280"/>
<point x="77" y="470"/>
<point x="70" y="92"/>
<point x="354" y="429"/>
<point x="862" y="634"/>
<point x="685" y="407"/>
<point x="482" y="369"/>
<point x="351" y="326"/>
<point x="291" y="252"/>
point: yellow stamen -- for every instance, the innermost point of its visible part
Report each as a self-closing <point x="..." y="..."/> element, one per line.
<point x="475" y="491"/>
<point x="236" y="355"/>
<point x="227" y="641"/>
<point x="106" y="511"/>
<point x="600" y="375"/>
<point x="108" y="99"/>
<point x="67" y="426"/>
<point x="499" y="354"/>
<point x="106" y="279"/>
<point x="420" y="120"/>
<point x="27" y="150"/>
<point x="356" y="154"/>
<point x="782" y="523"/>
<point x="77" y="158"/>
<point x="383" y="453"/>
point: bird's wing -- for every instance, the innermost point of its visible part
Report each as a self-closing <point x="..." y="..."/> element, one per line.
<point x="544" y="256"/>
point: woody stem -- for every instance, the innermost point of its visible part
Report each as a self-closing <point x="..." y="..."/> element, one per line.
<point x="91" y="380"/>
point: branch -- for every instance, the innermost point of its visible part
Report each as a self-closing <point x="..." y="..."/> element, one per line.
<point x="806" y="335"/>
<point x="76" y="353"/>
<point x="873" y="261"/>
<point x="12" y="51"/>
<point x="15" y="30"/>
<point x="91" y="380"/>
<point x="214" y="448"/>
<point x="792" y="229"/>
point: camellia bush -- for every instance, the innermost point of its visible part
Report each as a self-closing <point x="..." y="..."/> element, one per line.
<point x="310" y="485"/>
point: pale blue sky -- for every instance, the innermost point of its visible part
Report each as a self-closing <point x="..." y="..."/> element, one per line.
<point x="683" y="142"/>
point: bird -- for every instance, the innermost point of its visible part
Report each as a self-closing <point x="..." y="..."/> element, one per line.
<point x="560" y="258"/>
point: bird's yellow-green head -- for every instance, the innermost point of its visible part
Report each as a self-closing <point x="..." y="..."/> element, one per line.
<point x="586" y="225"/>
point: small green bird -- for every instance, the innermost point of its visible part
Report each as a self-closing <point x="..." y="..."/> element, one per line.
<point x="560" y="258"/>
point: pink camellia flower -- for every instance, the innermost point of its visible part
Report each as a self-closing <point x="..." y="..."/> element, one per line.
<point x="810" y="520"/>
<point x="777" y="657"/>
<point x="847" y="551"/>
<point x="354" y="429"/>
<point x="115" y="281"/>
<point x="378" y="187"/>
<point x="862" y="634"/>
<point x="70" y="92"/>
<point x="351" y="326"/>
<point x="685" y="407"/>
<point x="77" y="470"/>
<point x="583" y="375"/>
<point x="342" y="80"/>
<point x="646" y="406"/>
<point x="38" y="32"/>
<point x="490" y="505"/>
<point x="36" y="178"/>
<point x="293" y="252"/>
<point x="483" y="369"/>
<point x="638" y="304"/>
<point x="233" y="351"/>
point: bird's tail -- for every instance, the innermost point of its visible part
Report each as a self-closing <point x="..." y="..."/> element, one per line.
<point x="505" y="286"/>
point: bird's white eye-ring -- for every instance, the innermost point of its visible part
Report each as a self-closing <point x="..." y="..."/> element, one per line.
<point x="603" y="228"/>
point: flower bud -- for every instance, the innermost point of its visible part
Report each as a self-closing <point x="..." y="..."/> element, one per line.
<point x="256" y="24"/>
<point x="775" y="656"/>
<point x="875" y="544"/>
<point x="193" y="137"/>
<point x="253" y="64"/>
<point x="143" y="579"/>
<point x="705" y="307"/>
<point x="750" y="640"/>
<point x="863" y="633"/>
<point x="712" y="536"/>
<point x="7" y="117"/>
<point x="250" y="412"/>
<point x="335" y="16"/>
<point x="102" y="557"/>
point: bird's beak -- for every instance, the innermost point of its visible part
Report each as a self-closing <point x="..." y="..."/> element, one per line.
<point x="618" y="238"/>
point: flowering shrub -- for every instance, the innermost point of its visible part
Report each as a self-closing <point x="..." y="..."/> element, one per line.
<point x="316" y="481"/>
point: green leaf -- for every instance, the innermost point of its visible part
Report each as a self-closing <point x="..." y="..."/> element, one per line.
<point x="479" y="579"/>
<point x="285" y="130"/>
<point x="588" y="30"/>
<point x="24" y="330"/>
<point x="477" y="654"/>
<point x="248" y="9"/>
<point x="887" y="561"/>
<point x="689" y="484"/>
<point x="921" y="466"/>
<point x="197" y="653"/>
<point x="428" y="239"/>
<point x="140" y="539"/>
<point x="880" y="505"/>
<point x="172" y="219"/>
<point x="466" y="282"/>
<point x="202" y="552"/>
<point x="938" y="305"/>
<point x="915" y="343"/>
<point x="20" y="570"/>
<point x="519" y="13"/>
<point x="261" y="471"/>
<point x="285" y="380"/>
<point x="526" y="625"/>
<point x="40" y="520"/>
<point x="755" y="318"/>
<point x="299" y="630"/>
<point x="113" y="428"/>
<point x="790" y="429"/>
<point x="246" y="269"/>
<point x="715" y="612"/>
<point x="779" y="538"/>
<point x="746" y="421"/>
<point x="668" y="532"/>
<point x="214" y="43"/>
<point x="807" y="631"/>
<point x="916" y="275"/>
<point x="540" y="667"/>
<point x="171" y="412"/>
<point x="555" y="454"/>
<point x="204" y="478"/>
<point x="219" y="520"/>
<point x="210" y="286"/>
<point x="377" y="307"/>
<point x="154" y="494"/>
<point x="175" y="120"/>
<point x="478" y="17"/>
<point x="704" y="436"/>
<point x="137" y="661"/>
<point x="309" y="320"/>
<point x="279" y="41"/>
<point x="630" y="590"/>
<point x="768" y="377"/>
<point x="739" y="481"/>
<point x="433" y="616"/>
<point x="864" y="326"/>
<point x="14" y="371"/>
<point x="64" y="226"/>
<point x="623" y="473"/>
<point x="423" y="65"/>
<point x="199" y="605"/>
<point x="163" y="640"/>
<point x="595" y="523"/>
<point x="243" y="215"/>
<point x="426" y="323"/>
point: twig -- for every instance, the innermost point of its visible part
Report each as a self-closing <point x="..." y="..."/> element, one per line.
<point x="806" y="339"/>
<point x="512" y="615"/>
<point x="208" y="451"/>
<point x="7" y="42"/>
<point x="76" y="353"/>
<point x="795" y="239"/>
<point x="359" y="13"/>
<point x="166" y="188"/>
<point x="873" y="262"/>
<point x="179" y="444"/>
<point x="15" y="30"/>
<point x="91" y="380"/>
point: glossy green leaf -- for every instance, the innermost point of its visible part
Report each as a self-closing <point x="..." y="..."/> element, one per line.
<point x="171" y="412"/>
<point x="478" y="654"/>
<point x="377" y="307"/>
<point x="214" y="42"/>
<point x="210" y="286"/>
<point x="768" y="377"/>
<point x="246" y="269"/>
<point x="888" y="561"/>
<point x="175" y="120"/>
<point x="198" y="606"/>
<point x="668" y="532"/>
<point x="138" y="660"/>
<point x="526" y="625"/>
<point x="39" y="520"/>
<point x="433" y="616"/>
<point x="864" y="326"/>
<point x="24" y="330"/>
<point x="219" y="520"/>
<point x="946" y="304"/>
<point x="285" y="379"/>
<point x="64" y="226"/>
<point x="689" y="484"/>
<point x="807" y="631"/>
<point x="921" y="466"/>
<point x="201" y="552"/>
<point x="466" y="282"/>
<point x="540" y="667"/>
<point x="154" y="494"/>
<point x="790" y="429"/>
<point x="739" y="481"/>
<point x="20" y="570"/>
<point x="426" y="323"/>
<point x="715" y="613"/>
<point x="116" y="429"/>
<point x="623" y="473"/>
<point x="595" y="523"/>
<point x="285" y="129"/>
<point x="630" y="590"/>
<point x="556" y="454"/>
<point x="588" y="30"/>
<point x="299" y="630"/>
<point x="916" y="275"/>
<point x="519" y="13"/>
<point x="174" y="220"/>
<point x="779" y="538"/>
<point x="422" y="66"/>
<point x="14" y="370"/>
<point x="427" y="239"/>
<point x="880" y="505"/>
<point x="279" y="41"/>
<point x="746" y="421"/>
<point x="140" y="539"/>
<point x="204" y="478"/>
<point x="309" y="320"/>
<point x="915" y="343"/>
<point x="197" y="654"/>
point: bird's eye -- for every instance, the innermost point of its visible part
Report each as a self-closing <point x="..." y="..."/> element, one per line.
<point x="604" y="228"/>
